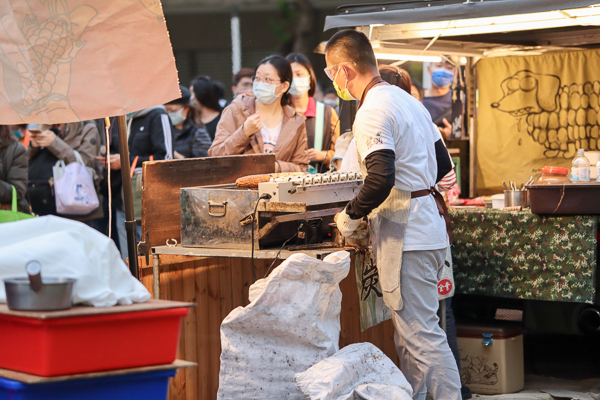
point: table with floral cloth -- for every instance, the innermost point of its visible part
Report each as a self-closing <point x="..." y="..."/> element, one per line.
<point x="522" y="255"/>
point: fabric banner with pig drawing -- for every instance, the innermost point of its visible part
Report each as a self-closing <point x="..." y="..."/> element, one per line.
<point x="535" y="111"/>
<point x="70" y="60"/>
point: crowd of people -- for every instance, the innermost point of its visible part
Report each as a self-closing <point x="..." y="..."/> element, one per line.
<point x="276" y="110"/>
<point x="278" y="107"/>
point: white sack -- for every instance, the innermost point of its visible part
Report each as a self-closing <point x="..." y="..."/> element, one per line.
<point x="358" y="371"/>
<point x="69" y="249"/>
<point x="292" y="322"/>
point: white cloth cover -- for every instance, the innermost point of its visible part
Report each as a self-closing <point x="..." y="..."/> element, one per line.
<point x="69" y="249"/>
<point x="358" y="371"/>
<point x="292" y="322"/>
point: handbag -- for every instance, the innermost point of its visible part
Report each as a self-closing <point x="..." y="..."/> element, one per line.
<point x="74" y="188"/>
<point x="13" y="215"/>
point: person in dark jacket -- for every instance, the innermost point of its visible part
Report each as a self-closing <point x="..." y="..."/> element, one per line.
<point x="149" y="135"/>
<point x="13" y="170"/>
<point x="189" y="139"/>
<point x="149" y="138"/>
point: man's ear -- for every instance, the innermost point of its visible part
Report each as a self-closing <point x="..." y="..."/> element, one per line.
<point x="233" y="89"/>
<point x="429" y="69"/>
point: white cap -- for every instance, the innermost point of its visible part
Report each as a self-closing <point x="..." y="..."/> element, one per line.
<point x="580" y="151"/>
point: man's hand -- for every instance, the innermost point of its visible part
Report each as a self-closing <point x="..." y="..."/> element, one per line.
<point x="252" y="124"/>
<point x="346" y="225"/>
<point x="446" y="131"/>
<point x="315" y="155"/>
<point x="43" y="139"/>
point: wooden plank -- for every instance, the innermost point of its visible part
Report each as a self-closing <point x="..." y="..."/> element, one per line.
<point x="78" y="311"/>
<point x="237" y="296"/>
<point x="226" y="289"/>
<point x="349" y="318"/>
<point x="214" y="323"/>
<point x="202" y="329"/>
<point x="175" y="281"/>
<point x="33" y="379"/>
<point x="247" y="279"/>
<point x="189" y="331"/>
<point x="161" y="181"/>
<point x="168" y="259"/>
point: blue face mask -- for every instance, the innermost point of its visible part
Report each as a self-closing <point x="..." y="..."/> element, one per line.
<point x="441" y="77"/>
<point x="17" y="133"/>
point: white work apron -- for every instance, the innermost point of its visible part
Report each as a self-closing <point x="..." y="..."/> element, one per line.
<point x="387" y="225"/>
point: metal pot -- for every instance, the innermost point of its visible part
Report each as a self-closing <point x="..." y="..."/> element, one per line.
<point x="55" y="294"/>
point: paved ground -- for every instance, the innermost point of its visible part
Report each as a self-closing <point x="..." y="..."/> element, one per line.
<point x="539" y="387"/>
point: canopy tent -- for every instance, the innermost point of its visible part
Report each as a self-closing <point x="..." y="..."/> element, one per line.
<point x="477" y="29"/>
<point x="404" y="12"/>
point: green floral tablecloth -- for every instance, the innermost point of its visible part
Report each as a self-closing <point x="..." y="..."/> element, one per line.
<point x="522" y="255"/>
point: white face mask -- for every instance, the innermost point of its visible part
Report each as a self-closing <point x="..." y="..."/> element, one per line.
<point x="265" y="92"/>
<point x="177" y="117"/>
<point x="300" y="86"/>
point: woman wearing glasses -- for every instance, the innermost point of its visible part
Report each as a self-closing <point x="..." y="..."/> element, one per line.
<point x="264" y="121"/>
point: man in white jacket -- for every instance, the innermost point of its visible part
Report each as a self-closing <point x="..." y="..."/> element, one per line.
<point x="393" y="134"/>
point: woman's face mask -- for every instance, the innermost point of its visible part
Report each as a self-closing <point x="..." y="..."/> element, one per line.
<point x="177" y="117"/>
<point x="441" y="77"/>
<point x="265" y="92"/>
<point x="300" y="86"/>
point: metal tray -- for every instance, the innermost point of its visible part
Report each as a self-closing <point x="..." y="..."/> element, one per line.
<point x="568" y="199"/>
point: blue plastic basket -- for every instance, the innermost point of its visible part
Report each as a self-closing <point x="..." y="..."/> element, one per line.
<point x="142" y="386"/>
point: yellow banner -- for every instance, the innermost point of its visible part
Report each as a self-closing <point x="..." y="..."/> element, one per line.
<point x="70" y="60"/>
<point x="535" y="111"/>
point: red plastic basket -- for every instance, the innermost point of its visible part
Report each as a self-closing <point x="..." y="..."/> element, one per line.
<point x="73" y="345"/>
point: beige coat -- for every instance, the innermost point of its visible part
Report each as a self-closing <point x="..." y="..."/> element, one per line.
<point x="291" y="150"/>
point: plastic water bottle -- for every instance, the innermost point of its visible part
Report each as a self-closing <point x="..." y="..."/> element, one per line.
<point x="580" y="168"/>
<point x="598" y="172"/>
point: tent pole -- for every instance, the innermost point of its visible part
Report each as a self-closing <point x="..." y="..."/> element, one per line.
<point x="130" y="223"/>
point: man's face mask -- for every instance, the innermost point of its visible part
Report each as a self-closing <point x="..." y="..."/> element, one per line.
<point x="344" y="93"/>
<point x="441" y="77"/>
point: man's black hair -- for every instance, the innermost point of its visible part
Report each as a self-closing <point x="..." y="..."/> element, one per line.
<point x="353" y="46"/>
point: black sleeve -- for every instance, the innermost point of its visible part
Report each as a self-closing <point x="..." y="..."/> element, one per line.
<point x="160" y="127"/>
<point x="381" y="176"/>
<point x="444" y="164"/>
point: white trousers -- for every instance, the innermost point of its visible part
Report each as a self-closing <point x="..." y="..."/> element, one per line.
<point x="425" y="357"/>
